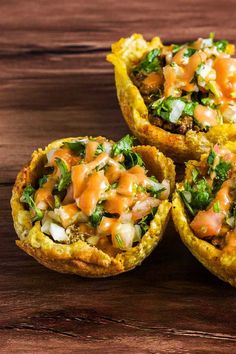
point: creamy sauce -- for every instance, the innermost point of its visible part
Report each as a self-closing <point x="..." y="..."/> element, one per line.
<point x="97" y="184"/>
<point x="67" y="156"/>
<point x="44" y="194"/>
<point x="91" y="148"/>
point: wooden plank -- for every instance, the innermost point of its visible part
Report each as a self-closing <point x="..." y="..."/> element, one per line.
<point x="51" y="24"/>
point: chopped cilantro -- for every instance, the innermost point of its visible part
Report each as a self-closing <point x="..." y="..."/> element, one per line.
<point x="195" y="174"/>
<point x="78" y="147"/>
<point x="189" y="52"/>
<point x="97" y="215"/>
<point x="28" y="198"/>
<point x="65" y="178"/>
<point x="99" y="149"/>
<point x="144" y="223"/>
<point x="43" y="180"/>
<point x="216" y="207"/>
<point x="210" y="160"/>
<point x="221" y="45"/>
<point x="189" y="108"/>
<point x="123" y="145"/>
<point x="186" y="196"/>
<point x="221" y="171"/>
<point x="170" y="108"/>
<point x="156" y="188"/>
<point x="150" y="63"/>
<point x="176" y="47"/>
<point x="198" y="196"/>
<point x="207" y="101"/>
<point x="132" y="159"/>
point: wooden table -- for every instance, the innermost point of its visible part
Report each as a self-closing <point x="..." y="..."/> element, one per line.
<point x="55" y="82"/>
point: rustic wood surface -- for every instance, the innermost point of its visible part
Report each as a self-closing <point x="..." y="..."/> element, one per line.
<point x="55" y="82"/>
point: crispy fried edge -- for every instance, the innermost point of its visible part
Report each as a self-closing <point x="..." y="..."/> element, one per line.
<point x="220" y="263"/>
<point x="125" y="54"/>
<point x="79" y="257"/>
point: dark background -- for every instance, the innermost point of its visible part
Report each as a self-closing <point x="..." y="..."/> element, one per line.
<point x="55" y="82"/>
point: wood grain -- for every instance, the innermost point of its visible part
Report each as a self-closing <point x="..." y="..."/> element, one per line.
<point x="55" y="82"/>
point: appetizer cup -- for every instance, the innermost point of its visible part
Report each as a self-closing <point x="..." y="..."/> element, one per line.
<point x="179" y="98"/>
<point x="204" y="211"/>
<point x="92" y="207"/>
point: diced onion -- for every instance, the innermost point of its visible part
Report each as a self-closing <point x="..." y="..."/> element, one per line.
<point x="58" y="233"/>
<point x="46" y="222"/>
<point x="165" y="194"/>
<point x="107" y="147"/>
<point x="126" y="217"/>
<point x="177" y="110"/>
<point x="123" y="236"/>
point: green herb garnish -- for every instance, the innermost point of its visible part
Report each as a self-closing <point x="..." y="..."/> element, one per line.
<point x="221" y="171"/>
<point x="99" y="149"/>
<point x="132" y="159"/>
<point x="65" y="178"/>
<point x="28" y="198"/>
<point x="198" y="196"/>
<point x="176" y="48"/>
<point x="216" y="207"/>
<point x="210" y="160"/>
<point x="156" y="189"/>
<point x="189" y="52"/>
<point x="189" y="108"/>
<point x="97" y="215"/>
<point x="43" y="180"/>
<point x="144" y="223"/>
<point x="170" y="108"/>
<point x="150" y="63"/>
<point x="221" y="45"/>
<point x="123" y="145"/>
<point x="78" y="147"/>
<point x="195" y="174"/>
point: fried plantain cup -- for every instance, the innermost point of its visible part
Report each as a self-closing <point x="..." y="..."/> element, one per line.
<point x="189" y="136"/>
<point x="203" y="211"/>
<point x="91" y="251"/>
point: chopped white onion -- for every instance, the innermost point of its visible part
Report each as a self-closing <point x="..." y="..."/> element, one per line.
<point x="146" y="204"/>
<point x="125" y="217"/>
<point x="123" y="236"/>
<point x="58" y="233"/>
<point x="46" y="222"/>
<point x="107" y="147"/>
<point x="177" y="110"/>
<point x="165" y="194"/>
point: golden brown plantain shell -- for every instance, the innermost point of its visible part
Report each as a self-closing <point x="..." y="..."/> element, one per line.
<point x="126" y="53"/>
<point x="219" y="262"/>
<point x="79" y="257"/>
